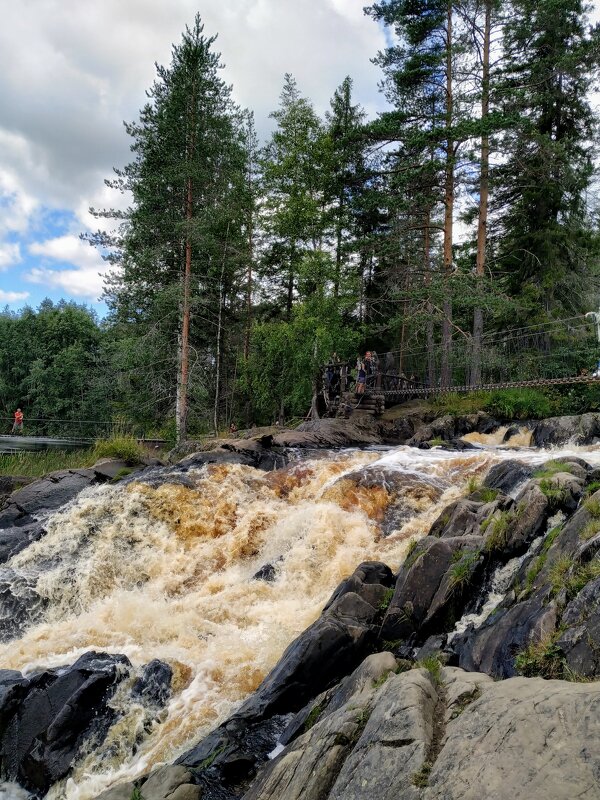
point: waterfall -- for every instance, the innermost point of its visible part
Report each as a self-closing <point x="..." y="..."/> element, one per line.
<point x="164" y="569"/>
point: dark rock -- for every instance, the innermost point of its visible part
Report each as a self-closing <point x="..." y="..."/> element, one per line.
<point x="15" y="539"/>
<point x="153" y="687"/>
<point x="432" y="647"/>
<point x="580" y="430"/>
<point x="493" y="647"/>
<point x="580" y="642"/>
<point x="507" y="475"/>
<point x="46" y="718"/>
<point x="458" y="445"/>
<point x="115" y="468"/>
<point x="53" y="491"/>
<point x="425" y="600"/>
<point x="465" y="516"/>
<point x="268" y="573"/>
<point x="403" y="429"/>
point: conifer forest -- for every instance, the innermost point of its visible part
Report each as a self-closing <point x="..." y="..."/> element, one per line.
<point x="469" y="206"/>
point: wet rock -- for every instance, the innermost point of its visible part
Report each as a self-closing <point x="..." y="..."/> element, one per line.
<point x="580" y="430"/>
<point x="53" y="491"/>
<point x="507" y="475"/>
<point x="15" y="539"/>
<point x="20" y="603"/>
<point x="426" y="601"/>
<point x="153" y="687"/>
<point x="331" y="647"/>
<point x="46" y="718"/>
<point x="10" y="484"/>
<point x="403" y="429"/>
<point x="465" y="516"/>
<point x="268" y="573"/>
<point x="580" y="642"/>
<point x="458" y="445"/>
<point x="493" y="647"/>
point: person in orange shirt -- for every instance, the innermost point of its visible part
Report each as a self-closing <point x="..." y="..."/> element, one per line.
<point x="18" y="423"/>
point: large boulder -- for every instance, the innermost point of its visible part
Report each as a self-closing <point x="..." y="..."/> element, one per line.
<point x="445" y="735"/>
<point x="583" y="429"/>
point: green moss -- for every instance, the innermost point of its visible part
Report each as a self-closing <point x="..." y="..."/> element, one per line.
<point x="437" y="442"/>
<point x="209" y="760"/>
<point x="122" y="473"/>
<point x="552" y="468"/>
<point x="386" y="600"/>
<point x="313" y="716"/>
<point x="421" y="778"/>
<point x="412" y="546"/>
<point x="137" y="794"/>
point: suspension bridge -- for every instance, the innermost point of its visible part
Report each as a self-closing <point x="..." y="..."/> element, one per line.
<point x="64" y="434"/>
<point x="557" y="353"/>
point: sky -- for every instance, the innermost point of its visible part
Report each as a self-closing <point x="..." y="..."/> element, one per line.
<point x="71" y="72"/>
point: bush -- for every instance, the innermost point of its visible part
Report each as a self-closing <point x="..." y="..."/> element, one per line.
<point x="518" y="404"/>
<point x="123" y="447"/>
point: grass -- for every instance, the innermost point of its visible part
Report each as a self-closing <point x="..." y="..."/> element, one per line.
<point x="36" y="465"/>
<point x="433" y="665"/>
<point x="484" y="493"/>
<point x="552" y="468"/>
<point x="437" y="442"/>
<point x="386" y="599"/>
<point x="137" y="794"/>
<point x="555" y="494"/>
<point x="592" y="506"/>
<point x="503" y="403"/>
<point x="542" y="659"/>
<point x="208" y="761"/>
<point x="538" y="563"/>
<point x="462" y="571"/>
<point x="590" y="530"/>
<point x="571" y="577"/>
<point x="592" y="487"/>
<point x="421" y="778"/>
<point x="498" y="527"/>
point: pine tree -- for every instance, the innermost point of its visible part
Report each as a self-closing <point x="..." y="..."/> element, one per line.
<point x="543" y="232"/>
<point x="179" y="244"/>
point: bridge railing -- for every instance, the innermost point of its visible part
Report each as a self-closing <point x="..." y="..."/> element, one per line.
<point x="67" y="428"/>
<point x="556" y="351"/>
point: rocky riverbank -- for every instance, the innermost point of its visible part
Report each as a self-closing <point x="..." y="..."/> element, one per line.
<point x="471" y="672"/>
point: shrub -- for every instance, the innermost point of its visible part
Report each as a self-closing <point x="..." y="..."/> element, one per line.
<point x="592" y="487"/>
<point x="541" y="659"/>
<point x="123" y="447"/>
<point x="556" y="494"/>
<point x="386" y="599"/>
<point x="433" y="665"/>
<point x="518" y="404"/>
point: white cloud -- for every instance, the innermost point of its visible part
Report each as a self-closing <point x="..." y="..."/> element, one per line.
<point x="10" y="254"/>
<point x="84" y="280"/>
<point x="12" y="297"/>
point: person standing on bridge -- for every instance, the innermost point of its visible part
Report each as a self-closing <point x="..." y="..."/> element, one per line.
<point x="18" y="423"/>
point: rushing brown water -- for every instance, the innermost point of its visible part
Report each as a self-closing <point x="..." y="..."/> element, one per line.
<point x="168" y="572"/>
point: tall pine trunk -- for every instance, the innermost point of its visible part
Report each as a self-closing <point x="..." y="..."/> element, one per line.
<point x="429" y="329"/>
<point x="483" y="197"/>
<point x="445" y="376"/>
<point x="181" y="415"/>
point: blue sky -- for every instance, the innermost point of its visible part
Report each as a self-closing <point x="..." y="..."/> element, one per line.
<point x="85" y="69"/>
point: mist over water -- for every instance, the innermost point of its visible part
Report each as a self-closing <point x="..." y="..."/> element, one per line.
<point x="166" y="571"/>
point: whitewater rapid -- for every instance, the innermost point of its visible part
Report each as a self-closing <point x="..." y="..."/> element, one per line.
<point x="166" y="571"/>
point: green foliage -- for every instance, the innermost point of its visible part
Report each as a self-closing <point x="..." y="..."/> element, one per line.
<point x="433" y="665"/>
<point x="540" y="561"/>
<point x="566" y="574"/>
<point x="518" y="404"/>
<point x="499" y="527"/>
<point x="592" y="506"/>
<point x="35" y="465"/>
<point x="592" y="487"/>
<point x="136" y="794"/>
<point x="556" y="494"/>
<point x="542" y="659"/>
<point x="122" y="447"/>
<point x="461" y="572"/>
<point x="386" y="600"/>
<point x="590" y="530"/>
<point x="551" y="468"/>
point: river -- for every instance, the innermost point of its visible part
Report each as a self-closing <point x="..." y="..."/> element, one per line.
<point x="165" y="570"/>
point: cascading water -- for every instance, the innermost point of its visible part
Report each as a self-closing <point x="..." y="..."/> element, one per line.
<point x="164" y="569"/>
